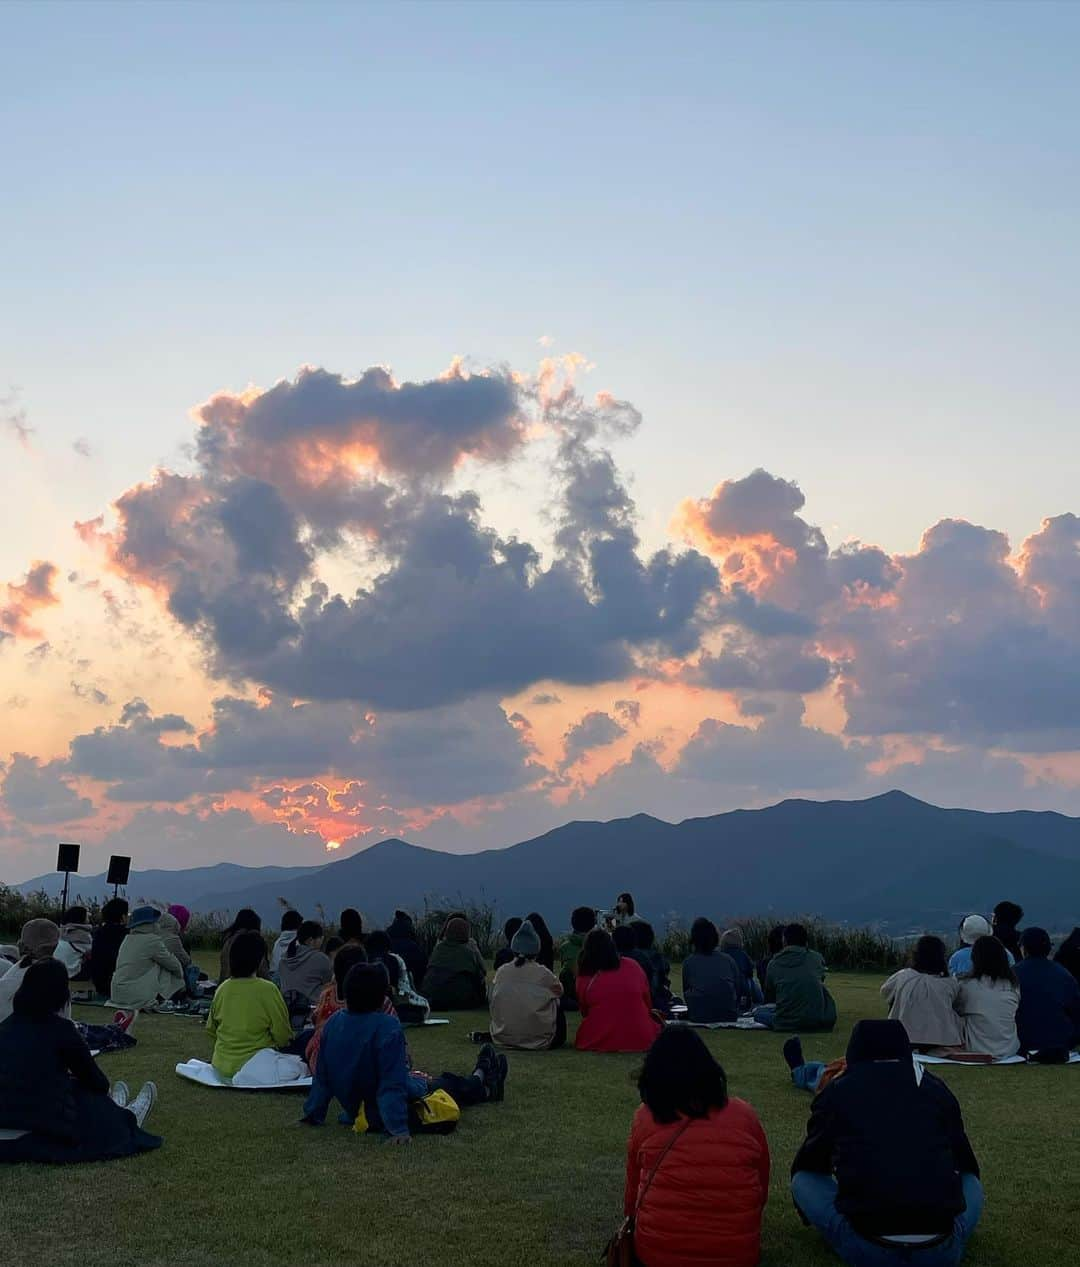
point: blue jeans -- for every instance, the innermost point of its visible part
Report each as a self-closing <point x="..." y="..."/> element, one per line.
<point x="815" y="1196"/>
<point x="806" y="1077"/>
<point x="766" y="1014"/>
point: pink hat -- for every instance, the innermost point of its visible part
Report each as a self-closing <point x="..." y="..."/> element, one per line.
<point x="181" y="914"/>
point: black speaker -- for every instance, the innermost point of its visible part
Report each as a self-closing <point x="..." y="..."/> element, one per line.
<point x="119" y="869"/>
<point x="67" y="858"/>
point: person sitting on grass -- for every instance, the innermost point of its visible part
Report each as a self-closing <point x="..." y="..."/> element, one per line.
<point x="971" y="929"/>
<point x="332" y="999"/>
<point x="1068" y="954"/>
<point x="525" y="995"/>
<point x="304" y="970"/>
<point x="290" y="922"/>
<point x="504" y="954"/>
<point x="107" y="939"/>
<point x="924" y="998"/>
<point x="146" y="973"/>
<point x="711" y="979"/>
<point x="247" y="1014"/>
<point x="406" y="945"/>
<point x="886" y="1173"/>
<point x="1048" y="1018"/>
<point x="774" y="945"/>
<point x="547" y="942"/>
<point x="614" y="998"/>
<point x="1006" y="917"/>
<point x="409" y="1004"/>
<point x="731" y="943"/>
<point x="456" y="977"/>
<point x="38" y="940"/>
<point x="351" y="927"/>
<point x="582" y="922"/>
<point x="363" y="1064"/>
<point x="55" y="1103"/>
<point x="656" y="966"/>
<point x="988" y="1002"/>
<point x="76" y="943"/>
<point x="796" y="980"/>
<point x="172" y="924"/>
<point x="246" y="921"/>
<point x="697" y="1162"/>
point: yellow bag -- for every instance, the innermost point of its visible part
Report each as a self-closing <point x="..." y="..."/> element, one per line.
<point x="360" y="1126"/>
<point x="436" y="1114"/>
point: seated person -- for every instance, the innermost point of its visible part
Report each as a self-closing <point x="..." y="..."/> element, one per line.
<point x="582" y="922"/>
<point x="796" y="979"/>
<point x="924" y="998"/>
<point x="76" y="943"/>
<point x="654" y="963"/>
<point x="351" y="927"/>
<point x="614" y="998"/>
<point x="1048" y="1018"/>
<point x="504" y="954"/>
<point x="363" y="1063"/>
<point x="1005" y="918"/>
<point x="172" y="925"/>
<point x="55" y="1103"/>
<point x="409" y="1005"/>
<point x="248" y="1013"/>
<point x="245" y="921"/>
<point x="332" y="1000"/>
<point x="304" y="971"/>
<point x="38" y="940"/>
<point x="697" y="1161"/>
<point x="405" y="943"/>
<point x="547" y="942"/>
<point x="731" y="943"/>
<point x="525" y="995"/>
<point x="290" y="923"/>
<point x="711" y="980"/>
<point x="1068" y="954"/>
<point x="774" y="947"/>
<point x="971" y="929"/>
<point x="988" y="1001"/>
<point x="886" y="1173"/>
<point x="106" y="942"/>
<point x="456" y="975"/>
<point x="146" y="973"/>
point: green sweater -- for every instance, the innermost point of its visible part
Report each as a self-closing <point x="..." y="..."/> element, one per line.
<point x="796" y="980"/>
<point x="247" y="1015"/>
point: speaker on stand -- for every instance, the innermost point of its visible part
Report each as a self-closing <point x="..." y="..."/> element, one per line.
<point x="67" y="861"/>
<point x="119" y="871"/>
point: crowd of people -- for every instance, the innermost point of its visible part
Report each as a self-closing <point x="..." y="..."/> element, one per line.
<point x="698" y="1163"/>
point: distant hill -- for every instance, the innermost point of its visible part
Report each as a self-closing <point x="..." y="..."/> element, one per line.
<point x="891" y="859"/>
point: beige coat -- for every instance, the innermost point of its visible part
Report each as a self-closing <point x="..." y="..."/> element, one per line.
<point x="989" y="1010"/>
<point x="926" y="1006"/>
<point x="145" y="970"/>
<point x="169" y="928"/>
<point x="524" y="1004"/>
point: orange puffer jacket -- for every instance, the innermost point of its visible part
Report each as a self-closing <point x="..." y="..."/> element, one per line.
<point x="705" y="1204"/>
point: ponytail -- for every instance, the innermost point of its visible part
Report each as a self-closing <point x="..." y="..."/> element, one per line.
<point x="519" y="961"/>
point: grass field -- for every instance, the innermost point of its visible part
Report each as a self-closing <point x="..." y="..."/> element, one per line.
<point x="535" y="1180"/>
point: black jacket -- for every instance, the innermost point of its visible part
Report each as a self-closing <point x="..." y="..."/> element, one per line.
<point x="40" y="1064"/>
<point x="897" y="1149"/>
<point x="105" y="948"/>
<point x="403" y="942"/>
<point x="1049" y="1011"/>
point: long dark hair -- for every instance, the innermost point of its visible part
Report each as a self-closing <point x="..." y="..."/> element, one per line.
<point x="627" y="899"/>
<point x="928" y="957"/>
<point x="308" y="931"/>
<point x="990" y="959"/>
<point x="547" y="942"/>
<point x="245" y="921"/>
<point x="703" y="936"/>
<point x="347" y="957"/>
<point x="680" y="1078"/>
<point x="379" y="948"/>
<point x="598" y="954"/>
<point x="350" y="925"/>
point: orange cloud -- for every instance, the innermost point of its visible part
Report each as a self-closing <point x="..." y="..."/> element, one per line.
<point x="22" y="601"/>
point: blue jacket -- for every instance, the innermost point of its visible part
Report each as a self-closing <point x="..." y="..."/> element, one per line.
<point x="362" y="1061"/>
<point x="1049" y="1011"/>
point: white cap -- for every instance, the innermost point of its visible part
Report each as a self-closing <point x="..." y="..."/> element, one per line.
<point x="974" y="927"/>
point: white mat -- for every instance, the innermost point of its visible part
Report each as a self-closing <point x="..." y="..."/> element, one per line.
<point x="431" y="1020"/>
<point x="1074" y="1059"/>
<point x="742" y="1023"/>
<point x="206" y="1075"/>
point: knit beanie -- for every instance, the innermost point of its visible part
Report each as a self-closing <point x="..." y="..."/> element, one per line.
<point x="457" y="929"/>
<point x="974" y="927"/>
<point x="143" y="915"/>
<point x="39" y="938"/>
<point x="526" y="941"/>
<point x="181" y="914"/>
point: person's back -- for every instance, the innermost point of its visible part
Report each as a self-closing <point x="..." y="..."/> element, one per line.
<point x="1048" y="1016"/>
<point x="711" y="987"/>
<point x="524" y="1006"/>
<point x="989" y="1011"/>
<point x="247" y="1015"/>
<point x="405" y="943"/>
<point x="796" y="978"/>
<point x="455" y="978"/>
<point x="362" y="1062"/>
<point x="106" y="943"/>
<point x="926" y="1006"/>
<point x="304" y="972"/>
<point x="145" y="971"/>
<point x="36" y="1091"/>
<point x="616" y="1009"/>
<point x="1068" y="954"/>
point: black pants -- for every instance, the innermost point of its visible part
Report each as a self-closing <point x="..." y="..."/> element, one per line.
<point x="466" y="1091"/>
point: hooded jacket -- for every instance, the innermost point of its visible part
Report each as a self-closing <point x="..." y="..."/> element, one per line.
<point x="305" y="971"/>
<point x="169" y="927"/>
<point x="145" y="970"/>
<point x="796" y="979"/>
<point x="405" y="943"/>
<point x="75" y="947"/>
<point x="456" y="977"/>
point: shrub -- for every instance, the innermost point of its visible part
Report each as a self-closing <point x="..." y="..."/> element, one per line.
<point x="481" y="916"/>
<point x="842" y="947"/>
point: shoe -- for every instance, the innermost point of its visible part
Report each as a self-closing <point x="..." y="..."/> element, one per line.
<point x="120" y="1094"/>
<point x="479" y="1036"/>
<point x="144" y="1102"/>
<point x="793" y="1053"/>
<point x="498" y="1092"/>
<point x="123" y="1019"/>
<point x="487" y="1068"/>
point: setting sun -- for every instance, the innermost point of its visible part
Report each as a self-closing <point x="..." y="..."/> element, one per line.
<point x="331" y="845"/>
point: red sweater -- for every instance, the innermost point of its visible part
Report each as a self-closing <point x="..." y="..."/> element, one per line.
<point x="616" y="1010"/>
<point x="705" y="1204"/>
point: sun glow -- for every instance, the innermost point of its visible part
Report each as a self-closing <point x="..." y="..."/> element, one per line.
<point x="331" y="845"/>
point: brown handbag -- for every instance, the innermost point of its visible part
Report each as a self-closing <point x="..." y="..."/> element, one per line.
<point x="620" y="1250"/>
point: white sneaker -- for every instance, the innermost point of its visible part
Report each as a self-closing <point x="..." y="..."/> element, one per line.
<point x="120" y="1094"/>
<point x="144" y="1102"/>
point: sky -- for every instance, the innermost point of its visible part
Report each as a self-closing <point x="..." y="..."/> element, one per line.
<point x="447" y="420"/>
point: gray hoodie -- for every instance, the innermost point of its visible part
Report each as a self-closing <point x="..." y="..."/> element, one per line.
<point x="304" y="971"/>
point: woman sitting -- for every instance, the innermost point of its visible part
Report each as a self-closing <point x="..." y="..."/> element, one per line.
<point x="525" y="995"/>
<point x="712" y="981"/>
<point x="304" y="971"/>
<point x="248" y="1013"/>
<point x="697" y="1164"/>
<point x="107" y="940"/>
<point x="246" y="921"/>
<point x="409" y="1004"/>
<point x="614" y="998"/>
<point x="76" y="943"/>
<point x="989" y="997"/>
<point x="750" y="994"/>
<point x="546" y="957"/>
<point x="351" y="927"/>
<point x="146" y="972"/>
<point x="924" y="998"/>
<point x="172" y="925"/>
<point x="332" y="999"/>
<point x="405" y="943"/>
<point x="456" y="975"/>
<point x="37" y="943"/>
<point x="55" y="1103"/>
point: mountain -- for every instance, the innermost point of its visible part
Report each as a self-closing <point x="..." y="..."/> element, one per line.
<point x="890" y="859"/>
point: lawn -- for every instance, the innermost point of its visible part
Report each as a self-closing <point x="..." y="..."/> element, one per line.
<point x="537" y="1179"/>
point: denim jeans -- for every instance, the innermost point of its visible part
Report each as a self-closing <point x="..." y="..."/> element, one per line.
<point x="806" y="1077"/>
<point x="766" y="1014"/>
<point x="815" y="1196"/>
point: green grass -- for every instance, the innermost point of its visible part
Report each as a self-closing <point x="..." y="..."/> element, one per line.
<point x="536" y="1179"/>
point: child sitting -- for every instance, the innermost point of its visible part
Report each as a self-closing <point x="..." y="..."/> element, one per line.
<point x="248" y="1013"/>
<point x="363" y="1064"/>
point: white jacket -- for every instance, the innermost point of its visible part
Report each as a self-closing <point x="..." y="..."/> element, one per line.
<point x="989" y="1012"/>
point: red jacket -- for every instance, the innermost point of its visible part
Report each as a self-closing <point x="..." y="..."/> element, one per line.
<point x="616" y="1010"/>
<point x="705" y="1204"/>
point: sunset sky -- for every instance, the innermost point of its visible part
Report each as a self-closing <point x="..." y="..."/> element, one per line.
<point x="447" y="420"/>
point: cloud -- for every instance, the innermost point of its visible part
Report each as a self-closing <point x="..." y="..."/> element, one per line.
<point x="629" y="711"/>
<point x="35" y="793"/>
<point x="82" y="447"/>
<point x="595" y="730"/>
<point x="543" y="699"/>
<point x="20" y="602"/>
<point x="13" y="417"/>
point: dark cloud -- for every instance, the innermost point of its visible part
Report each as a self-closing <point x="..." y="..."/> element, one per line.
<point x="21" y="601"/>
<point x="36" y="793"/>
<point x="595" y="730"/>
<point x="14" y="418"/>
<point x="629" y="711"/>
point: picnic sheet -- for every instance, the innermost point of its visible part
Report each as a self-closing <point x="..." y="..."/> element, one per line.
<point x="1074" y="1059"/>
<point x="205" y="1074"/>
<point x="744" y="1022"/>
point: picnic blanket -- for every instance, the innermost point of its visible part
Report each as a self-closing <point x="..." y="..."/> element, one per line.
<point x="744" y="1022"/>
<point x="1074" y="1059"/>
<point x="431" y="1020"/>
<point x="269" y="1076"/>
